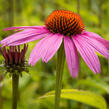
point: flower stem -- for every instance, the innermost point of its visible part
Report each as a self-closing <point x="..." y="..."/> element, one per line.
<point x="59" y="73"/>
<point x="15" y="82"/>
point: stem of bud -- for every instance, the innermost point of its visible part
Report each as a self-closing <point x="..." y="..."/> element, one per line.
<point x="15" y="82"/>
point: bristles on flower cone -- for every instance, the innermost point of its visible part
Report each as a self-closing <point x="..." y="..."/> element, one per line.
<point x="64" y="22"/>
<point x="14" y="58"/>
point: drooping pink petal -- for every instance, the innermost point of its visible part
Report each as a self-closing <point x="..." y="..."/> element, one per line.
<point x="43" y="48"/>
<point x="97" y="45"/>
<point x="23" y="35"/>
<point x="28" y="39"/>
<point x="38" y="51"/>
<point x="23" y="27"/>
<point x="97" y="37"/>
<point x="52" y="46"/>
<point x="71" y="56"/>
<point x="88" y="54"/>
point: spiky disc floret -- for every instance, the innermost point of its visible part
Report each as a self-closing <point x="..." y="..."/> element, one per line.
<point x="14" y="59"/>
<point x="64" y="22"/>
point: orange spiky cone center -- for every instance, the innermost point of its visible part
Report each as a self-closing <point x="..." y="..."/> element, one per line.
<point x="64" y="22"/>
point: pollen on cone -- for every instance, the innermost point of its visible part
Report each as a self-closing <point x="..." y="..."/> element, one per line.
<point x="64" y="22"/>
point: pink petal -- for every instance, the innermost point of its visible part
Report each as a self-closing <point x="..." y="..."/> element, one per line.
<point x="71" y="56"/>
<point x="97" y="45"/>
<point x="52" y="46"/>
<point x="23" y="27"/>
<point x="41" y="47"/>
<point x="27" y="33"/>
<point x="97" y="37"/>
<point x="26" y="40"/>
<point x="88" y="54"/>
<point x="37" y="52"/>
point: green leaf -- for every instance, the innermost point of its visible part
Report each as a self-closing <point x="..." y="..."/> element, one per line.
<point x="86" y="97"/>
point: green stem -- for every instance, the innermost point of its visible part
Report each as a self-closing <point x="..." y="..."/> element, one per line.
<point x="59" y="73"/>
<point x="15" y="82"/>
<point x="1" y="99"/>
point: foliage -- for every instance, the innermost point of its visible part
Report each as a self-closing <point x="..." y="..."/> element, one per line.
<point x="81" y="96"/>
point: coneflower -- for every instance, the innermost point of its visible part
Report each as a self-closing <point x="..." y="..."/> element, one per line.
<point x="14" y="59"/>
<point x="15" y="64"/>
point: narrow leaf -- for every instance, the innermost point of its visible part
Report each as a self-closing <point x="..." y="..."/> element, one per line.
<point x="85" y="97"/>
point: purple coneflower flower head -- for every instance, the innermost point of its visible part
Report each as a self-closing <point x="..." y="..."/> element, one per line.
<point x="14" y="59"/>
<point x="62" y="25"/>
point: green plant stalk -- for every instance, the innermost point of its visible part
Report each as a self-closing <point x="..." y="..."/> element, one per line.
<point x="59" y="73"/>
<point x="15" y="83"/>
<point x="1" y="99"/>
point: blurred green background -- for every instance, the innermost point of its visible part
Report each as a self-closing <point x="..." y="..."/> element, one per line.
<point x="41" y="77"/>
